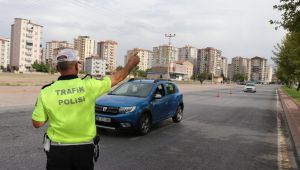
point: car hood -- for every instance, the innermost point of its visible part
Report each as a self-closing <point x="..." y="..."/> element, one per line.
<point x="119" y="101"/>
<point x="248" y="87"/>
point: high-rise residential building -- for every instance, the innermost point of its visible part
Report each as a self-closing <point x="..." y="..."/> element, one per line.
<point x="224" y="67"/>
<point x="269" y="74"/>
<point x="189" y="53"/>
<point x="95" y="66"/>
<point x="4" y="52"/>
<point x="165" y="54"/>
<point x="146" y="58"/>
<point x="258" y="69"/>
<point x="229" y="71"/>
<point x="51" y="46"/>
<point x="209" y="60"/>
<point x="85" y="46"/>
<point x="240" y="65"/>
<point x="107" y="50"/>
<point x="25" y="44"/>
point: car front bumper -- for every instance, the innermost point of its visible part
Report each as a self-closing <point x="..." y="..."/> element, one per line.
<point x="116" y="122"/>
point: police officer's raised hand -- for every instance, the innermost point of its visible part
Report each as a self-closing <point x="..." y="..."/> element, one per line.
<point x="133" y="60"/>
<point x="117" y="77"/>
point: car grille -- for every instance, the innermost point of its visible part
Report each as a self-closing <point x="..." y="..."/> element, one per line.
<point x="107" y="110"/>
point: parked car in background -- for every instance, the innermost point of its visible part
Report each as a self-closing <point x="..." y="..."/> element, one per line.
<point x="138" y="104"/>
<point x="250" y="87"/>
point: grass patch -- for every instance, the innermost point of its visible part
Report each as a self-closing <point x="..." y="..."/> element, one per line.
<point x="292" y="92"/>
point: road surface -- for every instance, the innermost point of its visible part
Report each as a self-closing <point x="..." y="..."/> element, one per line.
<point x="220" y="130"/>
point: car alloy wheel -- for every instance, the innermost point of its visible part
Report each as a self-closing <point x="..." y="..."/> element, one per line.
<point x="145" y="124"/>
<point x="179" y="115"/>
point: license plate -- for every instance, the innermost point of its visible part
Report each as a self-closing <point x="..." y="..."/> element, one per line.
<point x="104" y="119"/>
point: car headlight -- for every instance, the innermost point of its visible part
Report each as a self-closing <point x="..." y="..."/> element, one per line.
<point x="126" y="109"/>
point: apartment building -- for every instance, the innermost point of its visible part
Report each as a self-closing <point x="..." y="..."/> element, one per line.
<point x="107" y="50"/>
<point x="146" y="58"/>
<point x="25" y="44"/>
<point x="241" y="65"/>
<point x="188" y="53"/>
<point x="85" y="46"/>
<point x="4" y="53"/>
<point x="209" y="60"/>
<point x="165" y="54"/>
<point x="52" y="46"/>
<point x="224" y="66"/>
<point x="95" y="66"/>
<point x="258" y="69"/>
<point x="269" y="74"/>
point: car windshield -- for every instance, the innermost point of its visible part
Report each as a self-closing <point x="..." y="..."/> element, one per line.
<point x="133" y="89"/>
<point x="249" y="84"/>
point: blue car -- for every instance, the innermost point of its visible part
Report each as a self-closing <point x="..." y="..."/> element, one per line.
<point x="138" y="104"/>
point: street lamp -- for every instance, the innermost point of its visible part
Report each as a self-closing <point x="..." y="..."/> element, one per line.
<point x="170" y="36"/>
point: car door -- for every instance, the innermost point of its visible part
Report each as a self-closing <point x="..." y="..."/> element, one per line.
<point x="159" y="106"/>
<point x="171" y="99"/>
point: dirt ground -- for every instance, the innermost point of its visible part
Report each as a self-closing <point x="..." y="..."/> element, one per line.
<point x="23" y="89"/>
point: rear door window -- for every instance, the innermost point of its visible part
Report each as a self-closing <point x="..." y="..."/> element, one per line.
<point x="170" y="87"/>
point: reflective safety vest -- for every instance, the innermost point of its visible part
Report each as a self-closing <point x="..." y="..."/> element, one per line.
<point x="69" y="107"/>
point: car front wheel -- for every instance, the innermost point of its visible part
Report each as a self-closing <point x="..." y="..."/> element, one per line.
<point x="179" y="115"/>
<point x="144" y="124"/>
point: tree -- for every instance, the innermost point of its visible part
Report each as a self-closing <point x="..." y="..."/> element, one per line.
<point x="141" y="73"/>
<point x="290" y="20"/>
<point x="239" y="77"/>
<point x="134" y="71"/>
<point x="41" y="67"/>
<point x="202" y="77"/>
<point x="287" y="58"/>
<point x="119" y="68"/>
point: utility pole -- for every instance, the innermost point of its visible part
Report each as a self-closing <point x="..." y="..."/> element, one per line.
<point x="170" y="36"/>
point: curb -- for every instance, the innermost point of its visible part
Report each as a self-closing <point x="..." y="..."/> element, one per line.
<point x="291" y="111"/>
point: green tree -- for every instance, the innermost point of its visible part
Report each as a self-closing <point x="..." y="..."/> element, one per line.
<point x="290" y="18"/>
<point x="119" y="68"/>
<point x="287" y="54"/>
<point x="134" y="71"/>
<point x="202" y="77"/>
<point x="287" y="58"/>
<point x="41" y="67"/>
<point x="239" y="77"/>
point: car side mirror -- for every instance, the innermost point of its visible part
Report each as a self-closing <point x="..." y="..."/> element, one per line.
<point x="157" y="96"/>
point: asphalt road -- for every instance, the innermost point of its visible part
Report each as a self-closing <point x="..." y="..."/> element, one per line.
<point x="233" y="131"/>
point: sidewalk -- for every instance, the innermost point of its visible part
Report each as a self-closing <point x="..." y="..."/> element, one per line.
<point x="292" y="114"/>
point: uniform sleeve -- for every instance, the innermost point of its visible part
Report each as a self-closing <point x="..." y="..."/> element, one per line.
<point x="101" y="87"/>
<point x="39" y="114"/>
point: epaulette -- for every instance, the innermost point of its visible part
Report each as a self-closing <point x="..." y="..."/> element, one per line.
<point x="88" y="75"/>
<point x="48" y="85"/>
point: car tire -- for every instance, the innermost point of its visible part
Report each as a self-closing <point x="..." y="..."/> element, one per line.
<point x="144" y="125"/>
<point x="179" y="115"/>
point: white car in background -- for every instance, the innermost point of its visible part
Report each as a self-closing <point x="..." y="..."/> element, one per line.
<point x="250" y="87"/>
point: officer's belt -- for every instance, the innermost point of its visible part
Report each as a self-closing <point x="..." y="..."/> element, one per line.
<point x="70" y="144"/>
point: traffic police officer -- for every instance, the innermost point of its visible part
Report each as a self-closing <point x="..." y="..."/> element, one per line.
<point x="68" y="105"/>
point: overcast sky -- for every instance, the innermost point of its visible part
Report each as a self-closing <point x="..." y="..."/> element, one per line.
<point x="237" y="27"/>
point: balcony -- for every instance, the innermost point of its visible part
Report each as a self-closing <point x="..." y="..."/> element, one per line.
<point x="29" y="46"/>
<point x="28" y="59"/>
<point x="29" y="35"/>
<point x="28" y="53"/>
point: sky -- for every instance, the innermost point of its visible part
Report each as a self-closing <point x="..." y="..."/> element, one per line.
<point x="237" y="27"/>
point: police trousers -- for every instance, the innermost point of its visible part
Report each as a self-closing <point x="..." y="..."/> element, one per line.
<point x="70" y="157"/>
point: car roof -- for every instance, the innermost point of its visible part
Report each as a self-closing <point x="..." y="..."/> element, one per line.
<point x="148" y="80"/>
